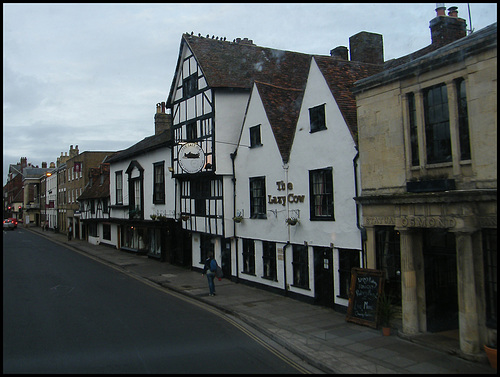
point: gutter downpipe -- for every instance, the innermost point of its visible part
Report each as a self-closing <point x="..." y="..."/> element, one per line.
<point x="285" y="166"/>
<point x="361" y="229"/>
<point x="233" y="156"/>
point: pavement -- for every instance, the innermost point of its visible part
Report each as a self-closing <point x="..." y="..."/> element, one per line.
<point x="318" y="335"/>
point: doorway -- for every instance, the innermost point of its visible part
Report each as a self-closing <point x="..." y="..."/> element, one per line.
<point x="440" y="265"/>
<point x="226" y="257"/>
<point x="323" y="276"/>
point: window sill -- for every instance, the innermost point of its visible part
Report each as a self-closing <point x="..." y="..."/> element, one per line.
<point x="300" y="287"/>
<point x="269" y="278"/>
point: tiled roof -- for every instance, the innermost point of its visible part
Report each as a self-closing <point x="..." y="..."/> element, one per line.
<point x="145" y="145"/>
<point x="97" y="190"/>
<point x="282" y="107"/>
<point x="237" y="65"/>
<point x="281" y="77"/>
<point x="340" y="76"/>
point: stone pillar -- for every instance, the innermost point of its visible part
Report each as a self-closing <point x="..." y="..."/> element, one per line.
<point x="371" y="261"/>
<point x="467" y="303"/>
<point x="408" y="284"/>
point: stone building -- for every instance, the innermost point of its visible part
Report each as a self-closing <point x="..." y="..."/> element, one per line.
<point x="428" y="157"/>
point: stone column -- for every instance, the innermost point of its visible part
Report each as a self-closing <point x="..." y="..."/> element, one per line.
<point x="370" y="247"/>
<point x="408" y="284"/>
<point x="467" y="303"/>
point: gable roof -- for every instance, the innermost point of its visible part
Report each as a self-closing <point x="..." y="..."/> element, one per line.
<point x="340" y="76"/>
<point x="145" y="145"/>
<point x="282" y="106"/>
<point x="238" y="65"/>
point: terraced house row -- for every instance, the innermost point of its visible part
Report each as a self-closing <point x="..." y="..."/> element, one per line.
<point x="294" y="168"/>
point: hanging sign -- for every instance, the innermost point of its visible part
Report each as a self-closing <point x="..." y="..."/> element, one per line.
<point x="191" y="158"/>
<point x="366" y="287"/>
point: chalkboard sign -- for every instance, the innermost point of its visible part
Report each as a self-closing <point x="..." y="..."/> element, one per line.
<point x="366" y="287"/>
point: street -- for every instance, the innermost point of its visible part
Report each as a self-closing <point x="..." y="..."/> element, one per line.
<point x="66" y="313"/>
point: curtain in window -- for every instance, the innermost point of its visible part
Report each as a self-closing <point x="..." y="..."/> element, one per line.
<point x="137" y="194"/>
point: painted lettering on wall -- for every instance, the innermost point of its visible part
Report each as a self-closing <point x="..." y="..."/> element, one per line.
<point x="283" y="199"/>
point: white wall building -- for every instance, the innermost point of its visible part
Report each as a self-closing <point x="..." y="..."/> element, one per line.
<point x="298" y="150"/>
<point x="244" y="125"/>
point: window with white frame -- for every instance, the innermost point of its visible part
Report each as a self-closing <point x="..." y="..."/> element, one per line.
<point x="321" y="194"/>
<point x="119" y="187"/>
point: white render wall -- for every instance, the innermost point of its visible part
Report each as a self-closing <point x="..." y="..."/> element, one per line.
<point x="146" y="160"/>
<point x="333" y="147"/>
<point x="229" y="111"/>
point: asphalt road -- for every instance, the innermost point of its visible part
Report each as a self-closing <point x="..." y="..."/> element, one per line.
<point x="66" y="313"/>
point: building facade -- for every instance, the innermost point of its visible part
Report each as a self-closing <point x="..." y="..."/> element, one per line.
<point x="142" y="192"/>
<point x="243" y="159"/>
<point x="428" y="158"/>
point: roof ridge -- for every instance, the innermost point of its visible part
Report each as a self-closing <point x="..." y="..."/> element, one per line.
<point x="277" y="86"/>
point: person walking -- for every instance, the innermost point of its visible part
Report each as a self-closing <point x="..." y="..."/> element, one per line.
<point x="70" y="231"/>
<point x="210" y="269"/>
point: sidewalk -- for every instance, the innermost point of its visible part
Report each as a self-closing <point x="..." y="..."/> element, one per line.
<point x="316" y="334"/>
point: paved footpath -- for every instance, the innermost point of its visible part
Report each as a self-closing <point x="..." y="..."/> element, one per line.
<point x="318" y="335"/>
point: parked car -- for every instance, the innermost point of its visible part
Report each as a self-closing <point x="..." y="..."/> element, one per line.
<point x="14" y="221"/>
<point x="8" y="224"/>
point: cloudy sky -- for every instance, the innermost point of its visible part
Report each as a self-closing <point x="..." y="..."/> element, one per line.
<point x="91" y="74"/>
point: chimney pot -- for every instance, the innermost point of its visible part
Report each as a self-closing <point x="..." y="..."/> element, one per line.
<point x="440" y="9"/>
<point x="453" y="11"/>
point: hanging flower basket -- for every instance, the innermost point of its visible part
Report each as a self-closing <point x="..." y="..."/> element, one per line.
<point x="185" y="217"/>
<point x="292" y="221"/>
<point x="238" y="219"/>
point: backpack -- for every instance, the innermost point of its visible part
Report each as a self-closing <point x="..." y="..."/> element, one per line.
<point x="213" y="265"/>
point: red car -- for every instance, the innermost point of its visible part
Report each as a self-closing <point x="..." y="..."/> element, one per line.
<point x="13" y="220"/>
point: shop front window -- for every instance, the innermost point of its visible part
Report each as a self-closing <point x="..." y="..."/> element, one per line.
<point x="389" y="260"/>
<point x="135" y="238"/>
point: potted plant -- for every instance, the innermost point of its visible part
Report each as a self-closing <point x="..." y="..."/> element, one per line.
<point x="292" y="221"/>
<point x="153" y="217"/>
<point x="238" y="219"/>
<point x="386" y="313"/>
<point x="491" y="352"/>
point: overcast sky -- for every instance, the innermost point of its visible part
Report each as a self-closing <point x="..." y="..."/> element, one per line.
<point x="91" y="74"/>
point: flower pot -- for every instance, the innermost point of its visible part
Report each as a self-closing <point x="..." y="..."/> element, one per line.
<point x="492" y="356"/>
<point x="386" y="331"/>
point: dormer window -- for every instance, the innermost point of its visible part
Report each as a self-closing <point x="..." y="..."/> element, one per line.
<point x="190" y="86"/>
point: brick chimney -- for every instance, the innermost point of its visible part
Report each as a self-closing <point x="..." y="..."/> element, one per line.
<point x="447" y="29"/>
<point x="73" y="151"/>
<point x="340" y="53"/>
<point x="163" y="121"/>
<point x="367" y="47"/>
<point x="24" y="162"/>
<point x="44" y="165"/>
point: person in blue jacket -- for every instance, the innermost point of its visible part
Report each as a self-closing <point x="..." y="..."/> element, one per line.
<point x="210" y="269"/>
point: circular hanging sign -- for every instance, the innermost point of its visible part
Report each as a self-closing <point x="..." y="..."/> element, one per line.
<point x="191" y="158"/>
